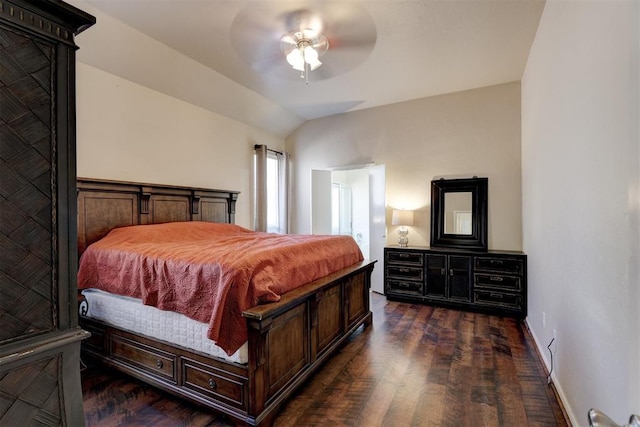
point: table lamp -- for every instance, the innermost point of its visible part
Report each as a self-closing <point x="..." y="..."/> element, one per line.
<point x="403" y="219"/>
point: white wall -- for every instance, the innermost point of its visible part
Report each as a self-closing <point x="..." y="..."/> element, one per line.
<point x="580" y="178"/>
<point x="476" y="132"/>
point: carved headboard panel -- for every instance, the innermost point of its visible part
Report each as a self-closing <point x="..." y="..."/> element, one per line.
<point x="104" y="205"/>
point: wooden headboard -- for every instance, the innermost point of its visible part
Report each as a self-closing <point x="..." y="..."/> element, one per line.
<point x="104" y="205"/>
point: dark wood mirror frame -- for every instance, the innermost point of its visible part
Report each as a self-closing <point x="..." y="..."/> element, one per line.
<point x="478" y="187"/>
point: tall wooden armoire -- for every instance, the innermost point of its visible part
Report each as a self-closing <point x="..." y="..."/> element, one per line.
<point x="39" y="333"/>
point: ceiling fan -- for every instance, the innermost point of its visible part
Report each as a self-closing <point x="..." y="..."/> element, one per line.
<point x="288" y="44"/>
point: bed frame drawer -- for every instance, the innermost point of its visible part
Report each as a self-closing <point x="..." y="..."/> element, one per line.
<point x="152" y="361"/>
<point x="97" y="339"/>
<point x="210" y="382"/>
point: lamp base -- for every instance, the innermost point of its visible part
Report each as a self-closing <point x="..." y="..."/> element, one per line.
<point x="403" y="240"/>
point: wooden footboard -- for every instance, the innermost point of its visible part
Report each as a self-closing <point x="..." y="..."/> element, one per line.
<point x="288" y="341"/>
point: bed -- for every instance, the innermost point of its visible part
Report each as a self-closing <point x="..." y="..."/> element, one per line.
<point x="286" y="340"/>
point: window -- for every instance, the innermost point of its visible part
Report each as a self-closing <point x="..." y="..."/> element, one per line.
<point x="273" y="193"/>
<point x="270" y="171"/>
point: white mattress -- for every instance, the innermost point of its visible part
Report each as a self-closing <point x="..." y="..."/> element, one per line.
<point x="131" y="315"/>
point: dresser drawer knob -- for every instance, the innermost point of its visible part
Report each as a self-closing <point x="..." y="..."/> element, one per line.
<point x="212" y="384"/>
<point x="159" y="364"/>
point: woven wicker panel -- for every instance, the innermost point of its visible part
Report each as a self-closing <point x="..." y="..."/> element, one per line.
<point x="30" y="395"/>
<point x="27" y="231"/>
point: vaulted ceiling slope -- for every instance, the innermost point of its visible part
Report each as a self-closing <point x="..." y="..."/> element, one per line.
<point x="380" y="52"/>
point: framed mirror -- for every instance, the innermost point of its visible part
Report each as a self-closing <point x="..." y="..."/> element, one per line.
<point x="459" y="213"/>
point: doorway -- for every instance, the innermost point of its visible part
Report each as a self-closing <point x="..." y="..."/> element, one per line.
<point x="351" y="201"/>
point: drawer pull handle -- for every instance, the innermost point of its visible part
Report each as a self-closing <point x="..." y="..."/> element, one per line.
<point x="496" y="279"/>
<point x="403" y="270"/>
<point x="496" y="261"/>
<point x="403" y="255"/>
<point x="212" y="384"/>
<point x="159" y="364"/>
<point x="497" y="296"/>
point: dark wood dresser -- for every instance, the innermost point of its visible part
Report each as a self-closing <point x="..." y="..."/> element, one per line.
<point x="493" y="282"/>
<point x="39" y="333"/>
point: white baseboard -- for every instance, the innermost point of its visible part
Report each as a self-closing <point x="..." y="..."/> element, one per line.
<point x="543" y="354"/>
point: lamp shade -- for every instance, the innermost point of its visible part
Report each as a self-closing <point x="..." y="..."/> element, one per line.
<point x="402" y="217"/>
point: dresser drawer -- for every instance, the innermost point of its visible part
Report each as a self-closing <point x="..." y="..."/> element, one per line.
<point x="497" y="281"/>
<point x="153" y="361"/>
<point x="405" y="273"/>
<point x="415" y="259"/>
<point x="497" y="299"/>
<point x="210" y="382"/>
<point x="401" y="287"/>
<point x="505" y="265"/>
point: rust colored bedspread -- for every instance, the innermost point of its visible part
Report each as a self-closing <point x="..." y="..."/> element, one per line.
<point x="210" y="272"/>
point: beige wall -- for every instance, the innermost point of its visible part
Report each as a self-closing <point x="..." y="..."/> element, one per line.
<point x="581" y="202"/>
<point x="132" y="133"/>
<point x="476" y="132"/>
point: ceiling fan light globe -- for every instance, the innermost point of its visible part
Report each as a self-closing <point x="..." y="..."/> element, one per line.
<point x="296" y="59"/>
<point x="310" y="54"/>
<point x="314" y="64"/>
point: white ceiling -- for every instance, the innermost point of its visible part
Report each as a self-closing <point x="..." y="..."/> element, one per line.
<point x="413" y="49"/>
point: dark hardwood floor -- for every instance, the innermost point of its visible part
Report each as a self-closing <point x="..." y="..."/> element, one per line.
<point x="416" y="366"/>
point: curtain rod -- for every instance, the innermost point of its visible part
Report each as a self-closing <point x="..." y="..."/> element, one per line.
<point x="257" y="146"/>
